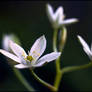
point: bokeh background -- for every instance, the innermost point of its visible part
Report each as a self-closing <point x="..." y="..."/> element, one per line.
<point x="28" y="21"/>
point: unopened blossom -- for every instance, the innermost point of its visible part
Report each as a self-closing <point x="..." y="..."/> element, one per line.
<point x="57" y="18"/>
<point x="87" y="49"/>
<point x="32" y="59"/>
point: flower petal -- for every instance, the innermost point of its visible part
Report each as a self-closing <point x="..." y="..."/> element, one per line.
<point x="50" y="13"/>
<point x="68" y="21"/>
<point x="5" y="42"/>
<point x="91" y="47"/>
<point x="10" y="55"/>
<point x="38" y="47"/>
<point x="19" y="51"/>
<point x="85" y="45"/>
<point x="59" y="13"/>
<point x="88" y="53"/>
<point x="47" y="58"/>
<point x="21" y="66"/>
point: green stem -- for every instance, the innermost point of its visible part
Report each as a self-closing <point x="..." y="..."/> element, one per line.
<point x="58" y="74"/>
<point x="74" y="68"/>
<point x="58" y="71"/>
<point x="22" y="79"/>
<point x="55" y="40"/>
<point x="58" y="79"/>
<point x="58" y="65"/>
<point x="63" y="38"/>
<point x="52" y="88"/>
<point x="55" y="48"/>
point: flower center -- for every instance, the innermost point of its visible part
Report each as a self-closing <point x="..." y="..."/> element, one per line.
<point x="29" y="58"/>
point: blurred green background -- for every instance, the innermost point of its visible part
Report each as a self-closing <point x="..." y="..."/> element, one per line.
<point x="28" y="21"/>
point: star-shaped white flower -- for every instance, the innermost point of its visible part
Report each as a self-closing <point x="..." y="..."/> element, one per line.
<point x="57" y="18"/>
<point x="33" y="58"/>
<point x="86" y="48"/>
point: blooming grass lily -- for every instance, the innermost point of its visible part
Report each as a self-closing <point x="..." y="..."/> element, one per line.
<point x="86" y="48"/>
<point x="33" y="58"/>
<point x="57" y="18"/>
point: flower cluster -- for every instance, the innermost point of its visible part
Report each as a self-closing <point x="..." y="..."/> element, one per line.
<point x="33" y="58"/>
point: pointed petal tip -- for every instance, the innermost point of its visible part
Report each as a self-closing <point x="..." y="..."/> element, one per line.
<point x="20" y="66"/>
<point x="76" y="20"/>
<point x="60" y="8"/>
<point x="59" y="53"/>
<point x="1" y="50"/>
<point x="79" y="37"/>
<point x="48" y="5"/>
<point x="43" y="37"/>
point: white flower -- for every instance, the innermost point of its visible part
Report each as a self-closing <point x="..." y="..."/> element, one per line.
<point x="86" y="48"/>
<point x="5" y="41"/>
<point x="33" y="58"/>
<point x="57" y="18"/>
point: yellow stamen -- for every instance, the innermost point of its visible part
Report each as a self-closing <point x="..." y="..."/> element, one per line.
<point x="29" y="58"/>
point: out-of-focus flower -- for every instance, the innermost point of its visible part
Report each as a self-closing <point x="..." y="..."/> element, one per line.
<point x="57" y="18"/>
<point x="5" y="41"/>
<point x="33" y="58"/>
<point x="86" y="48"/>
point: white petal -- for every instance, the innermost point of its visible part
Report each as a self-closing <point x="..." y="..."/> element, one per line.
<point x="21" y="66"/>
<point x="47" y="58"/>
<point x="91" y="47"/>
<point x="19" y="51"/>
<point x="50" y="13"/>
<point x="9" y="55"/>
<point x="88" y="53"/>
<point x="68" y="21"/>
<point x="59" y="13"/>
<point x="85" y="45"/>
<point x="5" y="42"/>
<point x="38" y="47"/>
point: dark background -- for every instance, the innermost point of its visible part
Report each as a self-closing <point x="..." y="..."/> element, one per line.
<point x="28" y="21"/>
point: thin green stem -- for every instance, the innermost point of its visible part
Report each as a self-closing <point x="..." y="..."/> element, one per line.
<point x="55" y="48"/>
<point x="58" y="65"/>
<point x="74" y="68"/>
<point x="58" y="78"/>
<point x="52" y="88"/>
<point x="22" y="79"/>
<point x="55" y="40"/>
<point x="63" y="37"/>
<point x="58" y="71"/>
